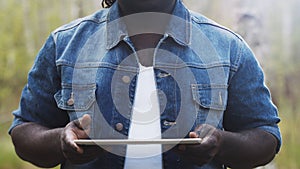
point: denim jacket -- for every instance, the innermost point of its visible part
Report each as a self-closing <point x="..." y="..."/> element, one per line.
<point x="204" y="73"/>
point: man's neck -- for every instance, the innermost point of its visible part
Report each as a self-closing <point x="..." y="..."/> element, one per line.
<point x="142" y="21"/>
<point x="128" y="7"/>
<point x="146" y="29"/>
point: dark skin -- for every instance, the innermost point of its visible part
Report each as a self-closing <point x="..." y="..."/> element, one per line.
<point x="49" y="147"/>
<point x="146" y="40"/>
<point x="46" y="147"/>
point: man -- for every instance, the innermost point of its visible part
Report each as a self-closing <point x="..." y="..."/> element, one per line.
<point x="85" y="81"/>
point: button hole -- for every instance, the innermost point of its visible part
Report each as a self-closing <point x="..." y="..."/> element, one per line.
<point x="168" y="123"/>
<point x="162" y="75"/>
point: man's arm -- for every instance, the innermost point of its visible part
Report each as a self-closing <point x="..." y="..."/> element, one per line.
<point x="247" y="149"/>
<point x="251" y="135"/>
<point x="37" y="144"/>
<point x="46" y="147"/>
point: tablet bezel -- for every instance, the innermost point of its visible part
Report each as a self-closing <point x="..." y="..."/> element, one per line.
<point x="137" y="141"/>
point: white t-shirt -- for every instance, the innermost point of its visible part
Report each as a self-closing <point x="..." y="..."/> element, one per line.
<point x="145" y="124"/>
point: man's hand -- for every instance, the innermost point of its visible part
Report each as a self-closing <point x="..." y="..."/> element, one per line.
<point x="245" y="149"/>
<point x="205" y="151"/>
<point x="78" y="129"/>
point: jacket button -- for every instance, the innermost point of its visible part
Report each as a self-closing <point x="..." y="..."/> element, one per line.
<point x="126" y="79"/>
<point x="119" y="126"/>
<point x="70" y="102"/>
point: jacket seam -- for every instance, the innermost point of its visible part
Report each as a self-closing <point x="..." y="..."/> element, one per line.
<point x="235" y="66"/>
<point x="90" y="18"/>
<point x="212" y="23"/>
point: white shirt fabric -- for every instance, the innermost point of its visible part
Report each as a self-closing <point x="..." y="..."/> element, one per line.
<point x="145" y="124"/>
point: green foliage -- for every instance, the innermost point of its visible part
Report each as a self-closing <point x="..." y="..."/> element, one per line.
<point x="8" y="159"/>
<point x="24" y="27"/>
<point x="289" y="154"/>
<point x="13" y="54"/>
<point x="26" y="24"/>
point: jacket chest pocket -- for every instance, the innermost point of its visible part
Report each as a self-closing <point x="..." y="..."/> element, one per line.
<point x="210" y="101"/>
<point x="77" y="100"/>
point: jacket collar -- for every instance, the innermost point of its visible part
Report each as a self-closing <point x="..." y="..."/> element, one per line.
<point x="179" y="27"/>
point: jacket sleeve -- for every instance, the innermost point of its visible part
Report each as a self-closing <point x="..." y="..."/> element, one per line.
<point x="249" y="101"/>
<point x="37" y="103"/>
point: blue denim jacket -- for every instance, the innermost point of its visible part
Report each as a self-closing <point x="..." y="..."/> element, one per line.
<point x="204" y="73"/>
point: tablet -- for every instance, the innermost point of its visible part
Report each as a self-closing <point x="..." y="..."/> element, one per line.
<point x="137" y="141"/>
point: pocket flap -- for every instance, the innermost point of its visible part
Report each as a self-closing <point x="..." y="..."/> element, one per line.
<point x="210" y="96"/>
<point x="76" y="97"/>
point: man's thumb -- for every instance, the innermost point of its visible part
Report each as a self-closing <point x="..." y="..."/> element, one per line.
<point x="85" y="121"/>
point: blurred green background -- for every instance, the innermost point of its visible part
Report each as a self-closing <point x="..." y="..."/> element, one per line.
<point x="271" y="27"/>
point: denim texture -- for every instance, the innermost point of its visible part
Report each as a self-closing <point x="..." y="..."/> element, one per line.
<point x="89" y="67"/>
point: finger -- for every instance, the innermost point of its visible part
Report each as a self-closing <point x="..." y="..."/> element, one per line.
<point x="69" y="139"/>
<point x="205" y="130"/>
<point x="203" y="147"/>
<point x="83" y="124"/>
<point x="193" y="135"/>
<point x="77" y="148"/>
<point x="81" y="134"/>
<point x="85" y="121"/>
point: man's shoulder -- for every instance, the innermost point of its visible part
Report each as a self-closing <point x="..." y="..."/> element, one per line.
<point x="94" y="19"/>
<point x="207" y="24"/>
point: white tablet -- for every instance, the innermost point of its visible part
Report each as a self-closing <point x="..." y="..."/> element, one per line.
<point x="137" y="141"/>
